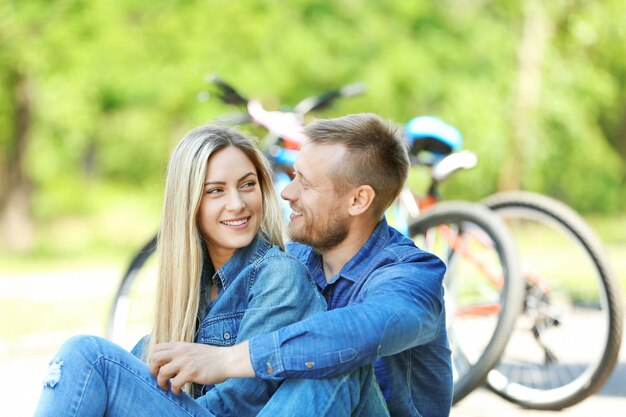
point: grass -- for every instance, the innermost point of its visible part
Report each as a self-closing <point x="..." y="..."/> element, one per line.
<point x="116" y="224"/>
<point x="50" y="316"/>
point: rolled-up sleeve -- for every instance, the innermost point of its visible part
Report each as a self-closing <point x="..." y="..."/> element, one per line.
<point x="400" y="307"/>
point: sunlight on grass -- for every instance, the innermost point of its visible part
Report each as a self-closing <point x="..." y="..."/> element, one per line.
<point x="33" y="316"/>
<point x="117" y="223"/>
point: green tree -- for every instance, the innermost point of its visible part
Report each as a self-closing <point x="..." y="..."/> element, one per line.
<point x="93" y="93"/>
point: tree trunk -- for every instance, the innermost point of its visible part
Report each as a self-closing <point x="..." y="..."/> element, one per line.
<point x="15" y="196"/>
<point x="536" y="33"/>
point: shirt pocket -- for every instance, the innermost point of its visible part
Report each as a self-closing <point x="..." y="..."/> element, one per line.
<point x="220" y="330"/>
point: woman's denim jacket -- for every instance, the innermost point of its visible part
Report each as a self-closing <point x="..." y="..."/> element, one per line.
<point x="260" y="289"/>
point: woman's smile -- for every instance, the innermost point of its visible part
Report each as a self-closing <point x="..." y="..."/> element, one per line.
<point x="240" y="223"/>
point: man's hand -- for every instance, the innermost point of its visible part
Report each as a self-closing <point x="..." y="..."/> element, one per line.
<point x="175" y="364"/>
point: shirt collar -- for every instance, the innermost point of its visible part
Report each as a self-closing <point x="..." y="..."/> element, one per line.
<point x="359" y="266"/>
<point x="240" y="259"/>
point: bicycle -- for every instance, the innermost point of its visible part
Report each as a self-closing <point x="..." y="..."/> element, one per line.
<point x="482" y="266"/>
<point x="539" y="370"/>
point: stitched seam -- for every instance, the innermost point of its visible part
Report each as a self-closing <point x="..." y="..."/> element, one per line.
<point x="337" y="387"/>
<point x="84" y="390"/>
<point x="279" y="359"/>
<point x="146" y="382"/>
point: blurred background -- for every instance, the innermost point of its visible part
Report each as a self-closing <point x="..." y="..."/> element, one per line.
<point x="94" y="93"/>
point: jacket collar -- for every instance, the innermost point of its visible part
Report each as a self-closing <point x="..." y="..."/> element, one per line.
<point x="240" y="259"/>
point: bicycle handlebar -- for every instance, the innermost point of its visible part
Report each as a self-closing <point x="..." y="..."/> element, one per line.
<point x="324" y="100"/>
<point x="229" y="95"/>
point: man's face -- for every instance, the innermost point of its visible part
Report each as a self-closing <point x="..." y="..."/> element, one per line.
<point x="320" y="216"/>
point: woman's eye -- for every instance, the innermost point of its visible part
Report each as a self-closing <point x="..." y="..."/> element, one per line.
<point x="248" y="184"/>
<point x="213" y="191"/>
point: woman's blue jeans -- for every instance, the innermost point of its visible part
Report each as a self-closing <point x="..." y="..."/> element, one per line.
<point x="91" y="376"/>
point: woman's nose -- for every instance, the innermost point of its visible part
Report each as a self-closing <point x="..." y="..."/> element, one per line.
<point x="235" y="202"/>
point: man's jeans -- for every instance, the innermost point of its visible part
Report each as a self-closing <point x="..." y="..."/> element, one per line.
<point x="91" y="376"/>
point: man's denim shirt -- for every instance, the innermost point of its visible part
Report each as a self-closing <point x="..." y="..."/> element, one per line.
<point x="387" y="308"/>
<point x="260" y="289"/>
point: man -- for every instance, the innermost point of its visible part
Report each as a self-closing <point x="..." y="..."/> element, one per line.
<point x="384" y="295"/>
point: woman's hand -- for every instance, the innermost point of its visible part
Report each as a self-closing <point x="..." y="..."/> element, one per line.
<point x="175" y="364"/>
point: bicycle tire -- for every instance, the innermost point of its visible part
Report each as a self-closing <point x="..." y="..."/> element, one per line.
<point x="119" y="313"/>
<point x="552" y="382"/>
<point x="478" y="328"/>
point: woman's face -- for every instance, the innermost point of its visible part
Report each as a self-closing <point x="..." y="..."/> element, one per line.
<point x="231" y="207"/>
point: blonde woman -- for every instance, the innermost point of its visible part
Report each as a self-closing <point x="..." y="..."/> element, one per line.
<point x="223" y="277"/>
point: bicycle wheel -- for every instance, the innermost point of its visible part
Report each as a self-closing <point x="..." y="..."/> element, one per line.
<point x="567" y="340"/>
<point x="132" y="308"/>
<point x="484" y="289"/>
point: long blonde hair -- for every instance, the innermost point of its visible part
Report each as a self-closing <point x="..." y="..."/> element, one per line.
<point x="180" y="243"/>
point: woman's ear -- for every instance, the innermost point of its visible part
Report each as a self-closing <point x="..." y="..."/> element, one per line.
<point x="361" y="199"/>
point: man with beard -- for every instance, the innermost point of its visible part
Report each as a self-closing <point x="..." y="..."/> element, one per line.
<point x="384" y="295"/>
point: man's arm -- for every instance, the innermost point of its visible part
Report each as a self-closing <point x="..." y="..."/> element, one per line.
<point x="343" y="339"/>
<point x="387" y="321"/>
<point x="398" y="314"/>
<point x="402" y="307"/>
<point x="204" y="364"/>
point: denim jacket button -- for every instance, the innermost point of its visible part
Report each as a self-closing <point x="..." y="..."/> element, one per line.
<point x="309" y="364"/>
<point x="226" y="336"/>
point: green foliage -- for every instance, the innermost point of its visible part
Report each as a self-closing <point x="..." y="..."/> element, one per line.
<point x="115" y="83"/>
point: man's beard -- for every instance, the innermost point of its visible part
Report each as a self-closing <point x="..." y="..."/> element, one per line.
<point x="321" y="237"/>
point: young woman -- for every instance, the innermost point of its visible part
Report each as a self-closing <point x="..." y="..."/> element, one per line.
<point x="223" y="277"/>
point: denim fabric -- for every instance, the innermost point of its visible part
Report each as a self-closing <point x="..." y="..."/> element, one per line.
<point x="386" y="307"/>
<point x="354" y="394"/>
<point x="94" y="377"/>
<point x="260" y="289"/>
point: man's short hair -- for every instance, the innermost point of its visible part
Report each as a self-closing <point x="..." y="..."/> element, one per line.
<point x="376" y="155"/>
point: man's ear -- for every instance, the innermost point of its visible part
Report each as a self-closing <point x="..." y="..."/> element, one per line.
<point x="361" y="199"/>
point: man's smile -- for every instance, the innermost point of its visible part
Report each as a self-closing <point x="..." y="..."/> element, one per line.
<point x="295" y="214"/>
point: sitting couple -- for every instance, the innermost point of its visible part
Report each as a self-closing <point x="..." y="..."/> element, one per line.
<point x="347" y="320"/>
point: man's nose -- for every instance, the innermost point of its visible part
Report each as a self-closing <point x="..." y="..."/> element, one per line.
<point x="287" y="193"/>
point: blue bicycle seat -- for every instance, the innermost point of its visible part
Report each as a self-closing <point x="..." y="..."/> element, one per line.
<point x="429" y="133"/>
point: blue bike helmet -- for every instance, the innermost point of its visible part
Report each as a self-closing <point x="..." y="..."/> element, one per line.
<point x="428" y="133"/>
